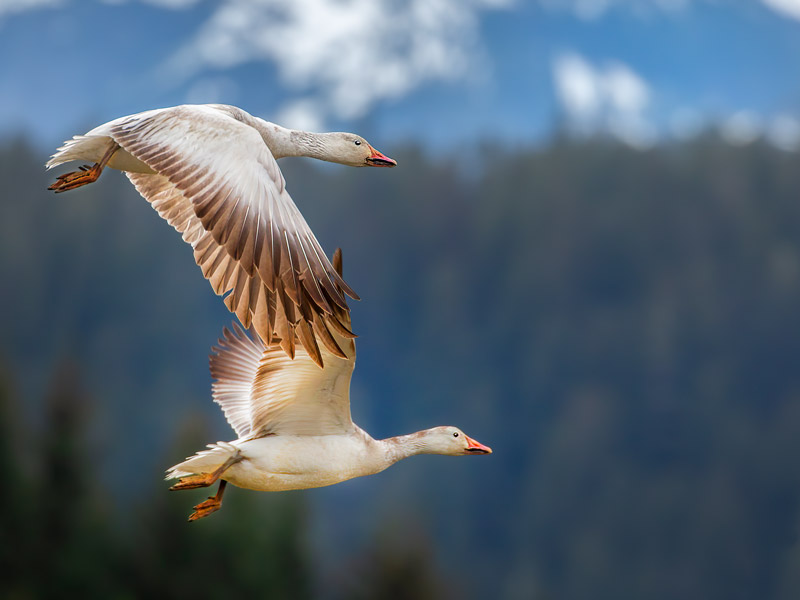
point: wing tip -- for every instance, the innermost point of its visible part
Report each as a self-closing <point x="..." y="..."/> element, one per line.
<point x="337" y="261"/>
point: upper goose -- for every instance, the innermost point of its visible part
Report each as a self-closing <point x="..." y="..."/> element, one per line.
<point x="210" y="171"/>
<point x="293" y="424"/>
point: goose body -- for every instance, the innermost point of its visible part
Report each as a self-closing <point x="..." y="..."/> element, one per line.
<point x="211" y="172"/>
<point x="293" y="423"/>
<point x="278" y="463"/>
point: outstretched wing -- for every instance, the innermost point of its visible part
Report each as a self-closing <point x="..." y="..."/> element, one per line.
<point x="263" y="392"/>
<point x="218" y="184"/>
<point x="234" y="365"/>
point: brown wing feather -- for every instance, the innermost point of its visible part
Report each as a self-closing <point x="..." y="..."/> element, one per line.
<point x="229" y="201"/>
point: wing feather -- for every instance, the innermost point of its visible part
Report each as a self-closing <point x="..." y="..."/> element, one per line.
<point x="218" y="184"/>
<point x="234" y="365"/>
<point x="262" y="391"/>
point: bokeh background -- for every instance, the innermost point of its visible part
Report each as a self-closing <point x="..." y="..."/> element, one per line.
<point x="588" y="258"/>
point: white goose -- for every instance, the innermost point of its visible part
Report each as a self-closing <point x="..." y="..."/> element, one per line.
<point x="210" y="171"/>
<point x="293" y="424"/>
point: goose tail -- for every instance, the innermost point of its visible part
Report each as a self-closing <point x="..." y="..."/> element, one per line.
<point x="205" y="461"/>
<point x="81" y="147"/>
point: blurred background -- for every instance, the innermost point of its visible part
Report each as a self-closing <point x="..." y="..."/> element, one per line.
<point x="588" y="258"/>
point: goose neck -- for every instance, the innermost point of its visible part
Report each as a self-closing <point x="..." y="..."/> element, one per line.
<point x="403" y="446"/>
<point x="291" y="142"/>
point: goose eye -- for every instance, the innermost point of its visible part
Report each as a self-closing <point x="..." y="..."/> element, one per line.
<point x="455" y="434"/>
<point x="357" y="142"/>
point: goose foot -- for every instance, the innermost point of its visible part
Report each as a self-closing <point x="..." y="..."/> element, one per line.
<point x="85" y="175"/>
<point x="193" y="482"/>
<point x="212" y="505"/>
<point x="75" y="179"/>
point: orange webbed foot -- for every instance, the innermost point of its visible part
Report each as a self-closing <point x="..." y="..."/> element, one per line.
<point x="205" y="508"/>
<point x="194" y="481"/>
<point x="209" y="506"/>
<point x="75" y="179"/>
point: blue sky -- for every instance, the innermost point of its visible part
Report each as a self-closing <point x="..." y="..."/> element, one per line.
<point x="437" y="72"/>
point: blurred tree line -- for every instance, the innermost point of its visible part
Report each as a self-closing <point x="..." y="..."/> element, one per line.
<point x="620" y="326"/>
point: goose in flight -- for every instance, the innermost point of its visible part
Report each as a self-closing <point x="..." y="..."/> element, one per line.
<point x="293" y="425"/>
<point x="211" y="172"/>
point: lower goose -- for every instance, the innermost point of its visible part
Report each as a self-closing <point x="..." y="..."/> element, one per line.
<point x="293" y="423"/>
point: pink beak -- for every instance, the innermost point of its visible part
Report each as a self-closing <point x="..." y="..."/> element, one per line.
<point x="376" y="159"/>
<point x="475" y="447"/>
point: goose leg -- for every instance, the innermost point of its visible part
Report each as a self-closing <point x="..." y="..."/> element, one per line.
<point x="84" y="176"/>
<point x="206" y="479"/>
<point x="213" y="504"/>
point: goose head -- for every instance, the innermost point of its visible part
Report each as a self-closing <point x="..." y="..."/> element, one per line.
<point x="354" y="151"/>
<point x="452" y="442"/>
